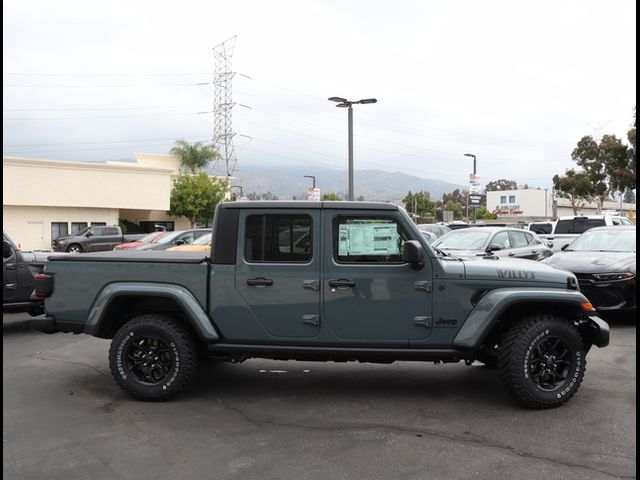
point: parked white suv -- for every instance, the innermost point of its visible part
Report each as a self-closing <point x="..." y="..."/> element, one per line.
<point x="567" y="229"/>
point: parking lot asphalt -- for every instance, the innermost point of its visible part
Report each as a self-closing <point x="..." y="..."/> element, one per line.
<point x="65" y="418"/>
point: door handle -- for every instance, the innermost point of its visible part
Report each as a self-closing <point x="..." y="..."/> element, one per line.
<point x="342" y="283"/>
<point x="11" y="286"/>
<point x="511" y="254"/>
<point x="10" y="266"/>
<point x="534" y="251"/>
<point x="259" y="282"/>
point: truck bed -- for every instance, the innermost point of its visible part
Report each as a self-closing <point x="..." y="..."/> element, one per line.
<point x="83" y="279"/>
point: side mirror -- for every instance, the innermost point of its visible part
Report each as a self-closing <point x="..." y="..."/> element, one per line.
<point x="550" y="244"/>
<point x="494" y="247"/>
<point x="88" y="234"/>
<point x="180" y="242"/>
<point x="413" y="253"/>
<point x="564" y="247"/>
<point x="6" y="249"/>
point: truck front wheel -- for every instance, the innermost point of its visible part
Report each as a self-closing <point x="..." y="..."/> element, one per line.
<point x="542" y="361"/>
<point x="153" y="357"/>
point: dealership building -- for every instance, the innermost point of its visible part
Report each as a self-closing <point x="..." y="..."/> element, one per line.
<point x="540" y="204"/>
<point x="42" y="199"/>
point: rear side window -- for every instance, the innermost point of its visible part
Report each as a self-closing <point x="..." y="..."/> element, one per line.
<point x="110" y="231"/>
<point x="278" y="238"/>
<point x="367" y="240"/>
<point x="541" y="228"/>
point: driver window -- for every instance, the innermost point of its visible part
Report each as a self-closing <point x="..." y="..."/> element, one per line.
<point x="502" y="239"/>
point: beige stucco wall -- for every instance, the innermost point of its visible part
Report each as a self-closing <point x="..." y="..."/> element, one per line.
<point x="136" y="216"/>
<point x="30" y="226"/>
<point x="530" y="202"/>
<point x="145" y="184"/>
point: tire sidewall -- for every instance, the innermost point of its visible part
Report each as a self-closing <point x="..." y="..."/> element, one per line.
<point x="121" y="343"/>
<point x="576" y="370"/>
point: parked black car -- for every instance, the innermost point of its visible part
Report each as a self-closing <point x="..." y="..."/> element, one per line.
<point x="18" y="282"/>
<point x="604" y="261"/>
<point x="498" y="241"/>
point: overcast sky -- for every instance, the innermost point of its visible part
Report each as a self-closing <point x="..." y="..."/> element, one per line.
<point x="515" y="83"/>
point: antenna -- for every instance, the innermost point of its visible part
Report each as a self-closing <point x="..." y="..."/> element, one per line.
<point x="222" y="109"/>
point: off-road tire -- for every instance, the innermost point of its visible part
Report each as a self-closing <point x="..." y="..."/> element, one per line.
<point x="528" y="349"/>
<point x="153" y="357"/>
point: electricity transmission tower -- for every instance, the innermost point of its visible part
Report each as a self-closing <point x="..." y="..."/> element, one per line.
<point x="222" y="109"/>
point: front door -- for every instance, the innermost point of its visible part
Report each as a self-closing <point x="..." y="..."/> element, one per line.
<point x="370" y="295"/>
<point x="278" y="272"/>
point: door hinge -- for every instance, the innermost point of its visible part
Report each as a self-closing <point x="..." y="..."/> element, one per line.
<point x="311" y="320"/>
<point x="423" y="285"/>
<point x="311" y="285"/>
<point x="422" y="322"/>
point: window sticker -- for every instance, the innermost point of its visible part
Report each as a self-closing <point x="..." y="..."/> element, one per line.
<point x="368" y="239"/>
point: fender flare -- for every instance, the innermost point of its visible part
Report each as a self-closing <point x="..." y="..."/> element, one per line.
<point x="192" y="310"/>
<point x="491" y="306"/>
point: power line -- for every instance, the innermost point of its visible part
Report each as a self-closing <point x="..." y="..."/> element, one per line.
<point x="98" y="143"/>
<point x="99" y="108"/>
<point x="103" y="117"/>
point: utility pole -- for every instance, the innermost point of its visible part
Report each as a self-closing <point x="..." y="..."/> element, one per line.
<point x="223" y="108"/>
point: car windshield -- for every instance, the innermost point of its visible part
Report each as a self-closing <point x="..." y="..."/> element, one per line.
<point x="614" y="240"/>
<point x="169" y="237"/>
<point x="462" y="240"/>
<point x="203" y="240"/>
<point x="152" y="237"/>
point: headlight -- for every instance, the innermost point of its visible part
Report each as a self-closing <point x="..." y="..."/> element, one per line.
<point x="613" y="276"/>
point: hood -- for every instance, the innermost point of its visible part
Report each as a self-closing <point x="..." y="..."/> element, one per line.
<point x="135" y="244"/>
<point x="593" y="262"/>
<point x="514" y="271"/>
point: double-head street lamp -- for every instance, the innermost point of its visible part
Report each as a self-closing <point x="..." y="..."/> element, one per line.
<point x="469" y="191"/>
<point x="344" y="103"/>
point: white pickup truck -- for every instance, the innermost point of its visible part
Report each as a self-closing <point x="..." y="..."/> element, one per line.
<point x="566" y="229"/>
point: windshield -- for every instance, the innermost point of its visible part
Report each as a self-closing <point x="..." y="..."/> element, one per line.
<point x="169" y="237"/>
<point x="462" y="240"/>
<point x="151" y="237"/>
<point x="203" y="240"/>
<point x="605" y="241"/>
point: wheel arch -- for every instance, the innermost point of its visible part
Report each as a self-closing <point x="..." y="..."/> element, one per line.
<point x="500" y="307"/>
<point x="119" y="302"/>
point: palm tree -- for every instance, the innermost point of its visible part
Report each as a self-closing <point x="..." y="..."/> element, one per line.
<point x="194" y="157"/>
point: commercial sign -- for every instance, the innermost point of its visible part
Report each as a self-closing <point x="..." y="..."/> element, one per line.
<point x="507" y="210"/>
<point x="314" y="195"/>
<point x="474" y="201"/>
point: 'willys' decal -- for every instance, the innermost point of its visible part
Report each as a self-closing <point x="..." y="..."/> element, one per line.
<point x="517" y="274"/>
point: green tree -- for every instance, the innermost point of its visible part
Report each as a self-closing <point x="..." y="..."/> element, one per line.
<point x="194" y="157"/>
<point x="576" y="186"/>
<point x="485" y="214"/>
<point x="419" y="204"/>
<point x="331" y="197"/>
<point x="501" y="184"/>
<point x="195" y="196"/>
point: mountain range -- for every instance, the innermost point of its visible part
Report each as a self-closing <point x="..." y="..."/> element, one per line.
<point x="374" y="185"/>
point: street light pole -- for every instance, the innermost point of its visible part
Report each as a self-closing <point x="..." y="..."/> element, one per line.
<point x="240" y="187"/>
<point x="312" y="177"/>
<point x="344" y="103"/>
<point x="469" y="191"/>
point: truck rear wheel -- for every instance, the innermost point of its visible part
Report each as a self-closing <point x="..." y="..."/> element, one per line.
<point x="153" y="357"/>
<point x="542" y="361"/>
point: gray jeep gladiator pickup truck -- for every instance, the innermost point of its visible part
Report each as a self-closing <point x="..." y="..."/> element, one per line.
<point x="92" y="239"/>
<point x="327" y="281"/>
<point x="19" y="270"/>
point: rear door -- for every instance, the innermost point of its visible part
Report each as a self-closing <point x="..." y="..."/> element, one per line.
<point x="522" y="245"/>
<point x="278" y="270"/>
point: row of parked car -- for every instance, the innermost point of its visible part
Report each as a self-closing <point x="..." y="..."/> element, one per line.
<point x="196" y="240"/>
<point x="603" y="258"/>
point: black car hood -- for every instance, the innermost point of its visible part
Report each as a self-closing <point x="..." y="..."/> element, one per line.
<point x="593" y="262"/>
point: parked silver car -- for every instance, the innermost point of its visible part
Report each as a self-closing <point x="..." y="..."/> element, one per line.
<point x="498" y="241"/>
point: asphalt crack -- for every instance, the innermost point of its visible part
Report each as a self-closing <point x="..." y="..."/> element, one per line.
<point x="467" y="437"/>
